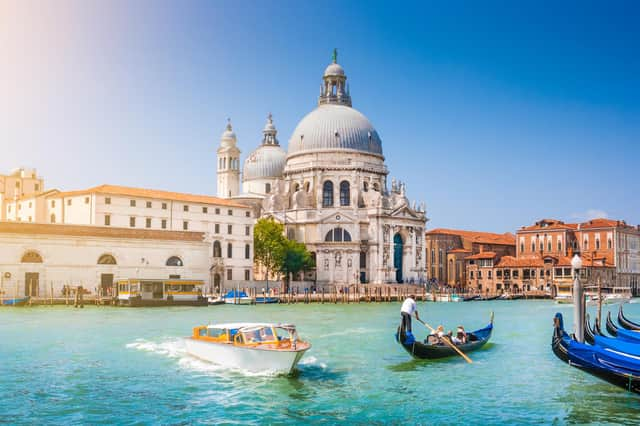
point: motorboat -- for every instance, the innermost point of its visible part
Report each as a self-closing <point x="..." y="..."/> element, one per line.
<point x="254" y="347"/>
<point x="237" y="297"/>
<point x="213" y="300"/>
<point x="15" y="301"/>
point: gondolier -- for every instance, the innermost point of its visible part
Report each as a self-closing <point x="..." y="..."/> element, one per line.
<point x="408" y="308"/>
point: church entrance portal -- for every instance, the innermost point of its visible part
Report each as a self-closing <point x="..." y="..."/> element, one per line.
<point x="397" y="256"/>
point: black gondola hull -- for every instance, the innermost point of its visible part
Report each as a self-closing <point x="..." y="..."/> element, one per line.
<point x="625" y="323"/>
<point x="421" y="350"/>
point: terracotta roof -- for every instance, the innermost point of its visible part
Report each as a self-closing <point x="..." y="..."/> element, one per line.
<point x="483" y="255"/>
<point x="602" y="223"/>
<point x="513" y="262"/>
<point x="548" y="225"/>
<point x="477" y="237"/>
<point x="97" y="231"/>
<point x="459" y="250"/>
<point x="152" y="193"/>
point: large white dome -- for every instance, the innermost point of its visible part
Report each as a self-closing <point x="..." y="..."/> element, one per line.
<point x="335" y="127"/>
<point x="267" y="161"/>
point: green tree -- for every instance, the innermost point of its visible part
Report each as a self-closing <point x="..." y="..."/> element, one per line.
<point x="296" y="258"/>
<point x="269" y="245"/>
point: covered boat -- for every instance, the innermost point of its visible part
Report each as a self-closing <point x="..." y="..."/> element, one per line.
<point x="255" y="347"/>
<point x="614" y="366"/>
<point x="16" y="301"/>
<point x="425" y="350"/>
<point x="237" y="297"/>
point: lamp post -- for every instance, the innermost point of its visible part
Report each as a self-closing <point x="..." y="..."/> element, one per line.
<point x="578" y="300"/>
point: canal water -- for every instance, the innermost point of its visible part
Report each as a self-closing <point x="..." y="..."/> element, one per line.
<point x="128" y="366"/>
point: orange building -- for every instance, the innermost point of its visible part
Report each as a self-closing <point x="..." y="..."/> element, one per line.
<point x="610" y="250"/>
<point x="448" y="249"/>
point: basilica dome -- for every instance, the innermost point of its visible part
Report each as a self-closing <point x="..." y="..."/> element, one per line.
<point x="335" y="127"/>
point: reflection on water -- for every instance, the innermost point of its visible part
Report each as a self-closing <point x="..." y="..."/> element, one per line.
<point x="67" y="366"/>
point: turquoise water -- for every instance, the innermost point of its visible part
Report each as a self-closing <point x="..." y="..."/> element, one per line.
<point x="128" y="366"/>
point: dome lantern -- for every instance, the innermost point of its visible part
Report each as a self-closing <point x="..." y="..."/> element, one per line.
<point x="334" y="89"/>
<point x="269" y="132"/>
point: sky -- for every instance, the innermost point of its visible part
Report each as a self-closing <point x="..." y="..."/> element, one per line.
<point x="495" y="114"/>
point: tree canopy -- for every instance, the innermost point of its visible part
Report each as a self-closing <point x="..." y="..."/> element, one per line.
<point x="275" y="252"/>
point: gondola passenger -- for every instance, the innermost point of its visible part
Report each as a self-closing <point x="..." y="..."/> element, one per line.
<point x="461" y="336"/>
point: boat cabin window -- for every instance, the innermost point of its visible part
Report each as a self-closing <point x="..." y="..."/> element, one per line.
<point x="135" y="287"/>
<point x="174" y="287"/>
<point x="188" y="287"/>
<point x="202" y="332"/>
<point x="216" y="332"/>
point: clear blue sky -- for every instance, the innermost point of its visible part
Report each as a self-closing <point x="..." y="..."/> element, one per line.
<point x="494" y="114"/>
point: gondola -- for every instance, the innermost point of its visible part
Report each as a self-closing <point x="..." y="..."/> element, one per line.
<point x="611" y="327"/>
<point x="589" y="333"/>
<point x="421" y="350"/>
<point x="615" y="367"/>
<point x="625" y="323"/>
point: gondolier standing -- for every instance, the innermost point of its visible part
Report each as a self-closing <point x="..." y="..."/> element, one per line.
<point x="408" y="308"/>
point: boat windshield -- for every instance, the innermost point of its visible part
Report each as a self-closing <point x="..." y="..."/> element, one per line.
<point x="259" y="334"/>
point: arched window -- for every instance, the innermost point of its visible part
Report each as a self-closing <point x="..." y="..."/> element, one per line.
<point x="107" y="259"/>
<point x="267" y="188"/>
<point x="338" y="235"/>
<point x="229" y="250"/>
<point x="345" y="198"/>
<point x="31" y="257"/>
<point x="327" y="194"/>
<point x="53" y="218"/>
<point x="247" y="251"/>
<point x="217" y="249"/>
<point x="365" y="186"/>
<point x="174" y="261"/>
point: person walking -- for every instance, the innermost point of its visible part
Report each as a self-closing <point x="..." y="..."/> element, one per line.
<point x="408" y="308"/>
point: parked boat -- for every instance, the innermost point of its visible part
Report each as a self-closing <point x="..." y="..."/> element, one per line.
<point x="610" y="326"/>
<point x="564" y="299"/>
<point x="254" y="347"/>
<point x="267" y="299"/>
<point x="212" y="300"/>
<point x="16" y="301"/>
<point x="160" y="292"/>
<point x="625" y="323"/>
<point x="510" y="296"/>
<point x="448" y="297"/>
<point x="237" y="297"/>
<point x="614" y="366"/>
<point x="423" y="350"/>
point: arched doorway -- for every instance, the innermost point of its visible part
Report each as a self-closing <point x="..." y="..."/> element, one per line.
<point x="397" y="256"/>
<point x="216" y="282"/>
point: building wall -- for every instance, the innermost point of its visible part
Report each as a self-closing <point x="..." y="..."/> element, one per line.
<point x="73" y="260"/>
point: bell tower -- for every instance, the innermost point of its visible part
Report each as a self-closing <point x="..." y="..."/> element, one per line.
<point x="228" y="164"/>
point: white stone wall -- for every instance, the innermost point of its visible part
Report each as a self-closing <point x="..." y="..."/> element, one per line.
<point x="73" y="260"/>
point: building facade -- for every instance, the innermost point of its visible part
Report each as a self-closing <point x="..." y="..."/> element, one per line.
<point x="610" y="250"/>
<point x="447" y="251"/>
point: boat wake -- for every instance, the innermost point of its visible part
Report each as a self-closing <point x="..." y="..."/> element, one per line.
<point x="311" y="361"/>
<point x="173" y="348"/>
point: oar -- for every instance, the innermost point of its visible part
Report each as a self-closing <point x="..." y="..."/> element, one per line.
<point x="449" y="342"/>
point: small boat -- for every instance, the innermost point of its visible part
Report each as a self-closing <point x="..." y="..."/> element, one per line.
<point x="420" y="350"/>
<point x="236" y="297"/>
<point x="448" y="297"/>
<point x="625" y="323"/>
<point x="211" y="300"/>
<point x="485" y="298"/>
<point x="267" y="299"/>
<point x="471" y="298"/>
<point x="254" y="347"/>
<point x="611" y="327"/>
<point x="616" y="367"/>
<point x="564" y="299"/>
<point x="16" y="301"/>
<point x="510" y="296"/>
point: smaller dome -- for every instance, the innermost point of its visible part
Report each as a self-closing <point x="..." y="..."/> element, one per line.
<point x="267" y="161"/>
<point x="334" y="69"/>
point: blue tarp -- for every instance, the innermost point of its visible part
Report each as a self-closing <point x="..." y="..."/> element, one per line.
<point x="235" y="294"/>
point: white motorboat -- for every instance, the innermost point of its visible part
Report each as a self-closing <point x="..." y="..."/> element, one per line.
<point x="254" y="347"/>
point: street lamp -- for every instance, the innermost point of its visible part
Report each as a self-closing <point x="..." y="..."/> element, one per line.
<point x="578" y="300"/>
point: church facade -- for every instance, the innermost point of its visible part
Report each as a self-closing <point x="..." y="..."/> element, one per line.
<point x="330" y="189"/>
